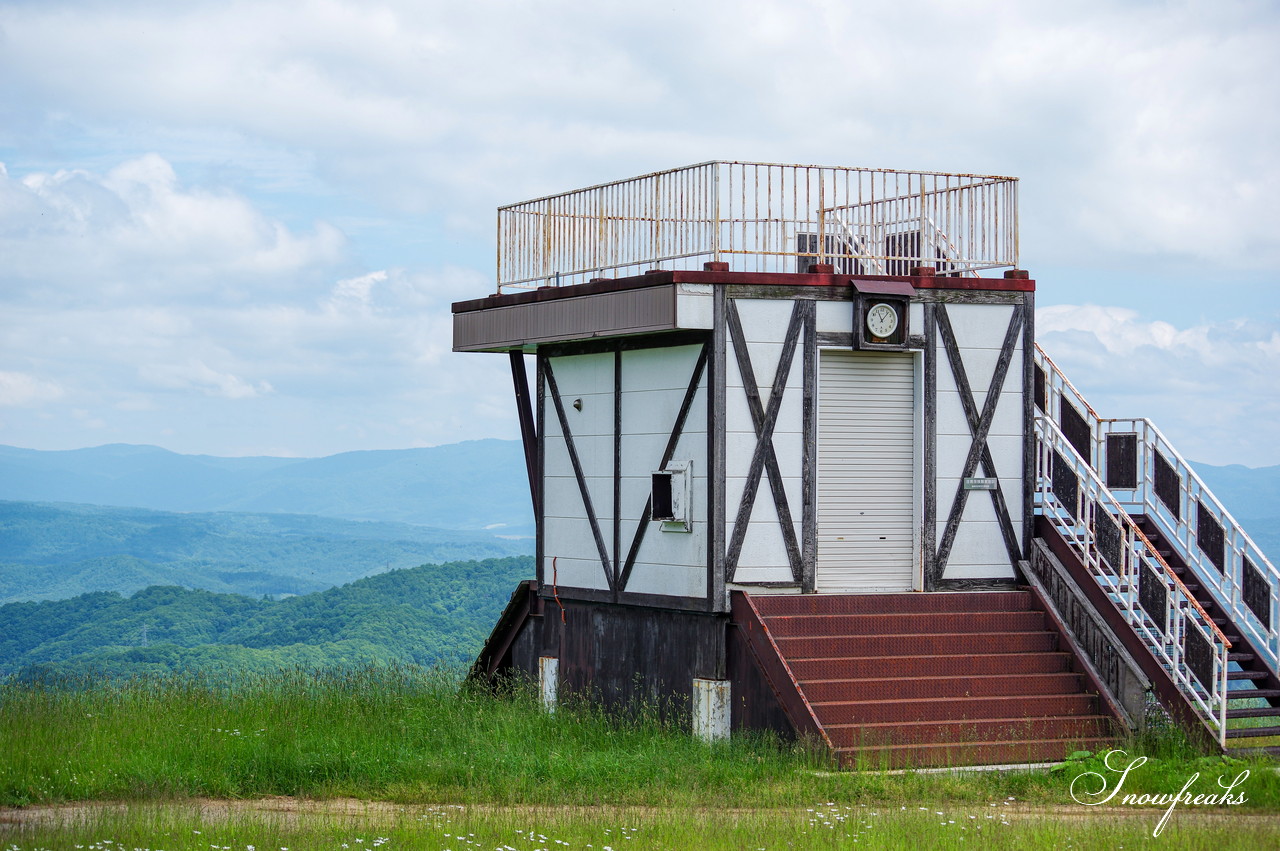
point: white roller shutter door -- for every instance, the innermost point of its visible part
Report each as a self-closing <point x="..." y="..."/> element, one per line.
<point x="866" y="472"/>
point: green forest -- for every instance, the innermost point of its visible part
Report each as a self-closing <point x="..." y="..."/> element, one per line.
<point x="52" y="551"/>
<point x="426" y="615"/>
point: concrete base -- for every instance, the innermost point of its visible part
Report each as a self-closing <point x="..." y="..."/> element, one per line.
<point x="711" y="709"/>
<point x="548" y="681"/>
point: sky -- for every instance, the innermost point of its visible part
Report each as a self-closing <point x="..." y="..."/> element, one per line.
<point x="235" y="228"/>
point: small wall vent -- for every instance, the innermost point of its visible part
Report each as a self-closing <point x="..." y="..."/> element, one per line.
<point x="671" y="497"/>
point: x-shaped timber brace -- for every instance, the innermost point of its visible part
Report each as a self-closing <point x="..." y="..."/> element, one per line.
<point x="979" y="428"/>
<point x="617" y="576"/>
<point x="764" y="459"/>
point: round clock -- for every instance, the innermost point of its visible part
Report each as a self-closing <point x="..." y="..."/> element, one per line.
<point x="882" y="320"/>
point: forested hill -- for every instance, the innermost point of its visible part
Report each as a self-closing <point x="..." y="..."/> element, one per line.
<point x="51" y="551"/>
<point x="423" y="615"/>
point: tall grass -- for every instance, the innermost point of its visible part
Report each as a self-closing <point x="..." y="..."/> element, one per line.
<point x="413" y="736"/>
<point x="179" y="827"/>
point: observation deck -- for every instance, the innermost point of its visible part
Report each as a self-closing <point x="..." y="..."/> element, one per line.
<point x="761" y="217"/>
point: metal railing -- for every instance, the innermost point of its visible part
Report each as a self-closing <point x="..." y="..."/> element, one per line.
<point x="1154" y="480"/>
<point x="762" y="217"/>
<point x="1141" y="586"/>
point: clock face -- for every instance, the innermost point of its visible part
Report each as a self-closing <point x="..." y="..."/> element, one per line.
<point x="882" y="320"/>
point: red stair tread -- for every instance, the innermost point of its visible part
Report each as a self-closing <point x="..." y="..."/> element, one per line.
<point x="983" y="753"/>
<point x="771" y="605"/>
<point x="923" y="687"/>
<point x="1074" y="705"/>
<point x="967" y="732"/>
<point x="817" y="646"/>
<point x="965" y="677"/>
<point x="912" y="623"/>
<point x="967" y="665"/>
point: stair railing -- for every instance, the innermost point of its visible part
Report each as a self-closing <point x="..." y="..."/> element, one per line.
<point x="1141" y="586"/>
<point x="857" y="241"/>
<point x="1149" y="477"/>
<point x="1219" y="552"/>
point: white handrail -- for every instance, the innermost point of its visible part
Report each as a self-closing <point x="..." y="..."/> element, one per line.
<point x="1227" y="586"/>
<point x="1172" y="620"/>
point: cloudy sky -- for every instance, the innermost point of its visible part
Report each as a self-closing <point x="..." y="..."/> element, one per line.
<point x="236" y="228"/>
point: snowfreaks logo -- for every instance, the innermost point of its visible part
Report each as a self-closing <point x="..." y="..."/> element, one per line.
<point x="1083" y="791"/>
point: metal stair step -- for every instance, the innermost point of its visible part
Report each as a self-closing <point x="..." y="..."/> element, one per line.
<point x="817" y="646"/>
<point x="913" y="687"/>
<point x="1247" y="675"/>
<point x="913" y="623"/>
<point x="967" y="732"/>
<point x="1258" y="712"/>
<point x="1251" y="693"/>
<point x="1013" y="751"/>
<point x="948" y="710"/>
<point x="1252" y="732"/>
<point x="842" y="666"/>
<point x="773" y="605"/>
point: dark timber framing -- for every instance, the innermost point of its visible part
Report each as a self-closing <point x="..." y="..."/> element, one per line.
<point x="764" y="461"/>
<point x="809" y="463"/>
<point x="618" y="571"/>
<point x="725" y="340"/>
<point x="979" y="428"/>
<point x="583" y="490"/>
<point x="673" y="439"/>
<point x="528" y="434"/>
<point x="716" y="489"/>
<point x="929" y="534"/>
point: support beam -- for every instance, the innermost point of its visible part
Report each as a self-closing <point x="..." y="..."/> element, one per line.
<point x="528" y="434"/>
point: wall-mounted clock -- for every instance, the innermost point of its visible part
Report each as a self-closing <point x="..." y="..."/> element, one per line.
<point x="882" y="321"/>
<point x="880" y="313"/>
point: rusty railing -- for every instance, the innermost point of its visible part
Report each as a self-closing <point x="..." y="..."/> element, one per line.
<point x="762" y="217"/>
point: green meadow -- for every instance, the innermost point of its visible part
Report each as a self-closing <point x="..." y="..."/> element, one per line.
<point x="403" y="757"/>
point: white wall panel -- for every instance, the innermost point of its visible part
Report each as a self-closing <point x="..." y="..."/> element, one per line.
<point x="978" y="545"/>
<point x="654" y="383"/>
<point x="663" y="368"/>
<point x="669" y="580"/>
<point x="575" y="573"/>
<point x="915" y="318"/>
<point x="835" y="317"/>
<point x="1006" y="453"/>
<point x="763" y="547"/>
<point x="580" y="374"/>
<point x="979" y="326"/>
<point x="694" y="309"/>
<point x="764" y="320"/>
<point x="749" y="575"/>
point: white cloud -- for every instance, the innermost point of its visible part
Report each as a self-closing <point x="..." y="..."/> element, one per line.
<point x="1214" y="390"/>
<point x="18" y="389"/>
<point x="172" y="168"/>
<point x="196" y="374"/>
<point x="137" y="233"/>
<point x="1138" y="124"/>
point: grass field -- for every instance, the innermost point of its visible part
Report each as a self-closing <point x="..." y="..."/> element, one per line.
<point x="315" y="760"/>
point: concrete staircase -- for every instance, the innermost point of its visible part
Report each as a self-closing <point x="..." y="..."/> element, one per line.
<point x="929" y="679"/>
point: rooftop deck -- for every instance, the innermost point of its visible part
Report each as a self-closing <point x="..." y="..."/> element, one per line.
<point x="762" y="217"/>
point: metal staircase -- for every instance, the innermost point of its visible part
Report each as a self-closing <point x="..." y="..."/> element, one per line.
<point x="1181" y="573"/>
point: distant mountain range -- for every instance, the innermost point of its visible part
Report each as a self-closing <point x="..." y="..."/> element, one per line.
<point x="478" y="484"/>
<point x="53" y="551"/>
<point x="121" y="518"/>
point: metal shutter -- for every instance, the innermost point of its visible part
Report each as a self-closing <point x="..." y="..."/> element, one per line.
<point x="866" y="474"/>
